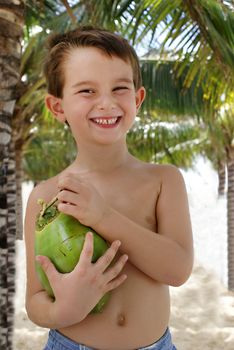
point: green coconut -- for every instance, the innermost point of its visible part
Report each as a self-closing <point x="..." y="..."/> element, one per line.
<point x="61" y="237"/>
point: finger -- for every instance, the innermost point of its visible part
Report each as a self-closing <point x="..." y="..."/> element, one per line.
<point x="48" y="268"/>
<point x="87" y="251"/>
<point x="114" y="271"/>
<point x="70" y="182"/>
<point x="105" y="260"/>
<point x="68" y="208"/>
<point x="68" y="197"/>
<point x="115" y="283"/>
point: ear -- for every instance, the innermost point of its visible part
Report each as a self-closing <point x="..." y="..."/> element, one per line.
<point x="140" y="96"/>
<point x="54" y="104"/>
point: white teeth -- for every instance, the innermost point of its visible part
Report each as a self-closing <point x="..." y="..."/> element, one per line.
<point x="105" y="121"/>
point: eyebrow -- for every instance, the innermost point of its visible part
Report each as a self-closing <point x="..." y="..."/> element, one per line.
<point x="85" y="82"/>
<point x="90" y="82"/>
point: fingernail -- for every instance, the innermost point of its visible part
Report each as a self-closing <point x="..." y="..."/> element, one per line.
<point x="118" y="243"/>
<point x="39" y="259"/>
<point x="125" y="257"/>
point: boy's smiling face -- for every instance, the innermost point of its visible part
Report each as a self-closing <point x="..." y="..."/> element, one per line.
<point x="99" y="98"/>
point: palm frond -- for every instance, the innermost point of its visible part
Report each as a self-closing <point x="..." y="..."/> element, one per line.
<point x="172" y="142"/>
<point x="166" y="92"/>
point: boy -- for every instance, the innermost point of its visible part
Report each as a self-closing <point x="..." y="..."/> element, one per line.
<point x="94" y="85"/>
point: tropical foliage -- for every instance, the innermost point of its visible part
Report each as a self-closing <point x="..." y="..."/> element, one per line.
<point x="201" y="34"/>
<point x="50" y="151"/>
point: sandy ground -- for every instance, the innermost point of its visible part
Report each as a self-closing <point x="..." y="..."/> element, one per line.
<point x="202" y="312"/>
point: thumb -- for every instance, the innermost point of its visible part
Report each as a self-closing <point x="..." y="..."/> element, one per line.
<point x="48" y="268"/>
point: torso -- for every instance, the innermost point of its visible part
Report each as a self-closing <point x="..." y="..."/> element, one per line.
<point x="138" y="312"/>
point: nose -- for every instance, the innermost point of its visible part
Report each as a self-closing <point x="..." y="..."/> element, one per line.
<point x="106" y="102"/>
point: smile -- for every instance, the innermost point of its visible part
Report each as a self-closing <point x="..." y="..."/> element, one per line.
<point x="107" y="122"/>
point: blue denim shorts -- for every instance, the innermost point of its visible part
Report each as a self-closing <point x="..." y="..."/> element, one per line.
<point x="57" y="341"/>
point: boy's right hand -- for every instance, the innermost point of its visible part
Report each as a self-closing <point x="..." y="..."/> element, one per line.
<point x="76" y="293"/>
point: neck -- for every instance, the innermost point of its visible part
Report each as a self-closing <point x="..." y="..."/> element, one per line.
<point x="103" y="158"/>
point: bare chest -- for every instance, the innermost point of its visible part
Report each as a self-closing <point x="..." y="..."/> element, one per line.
<point x="130" y="318"/>
<point x="133" y="198"/>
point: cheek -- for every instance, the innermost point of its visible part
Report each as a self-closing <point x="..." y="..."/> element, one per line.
<point x="128" y="101"/>
<point x="75" y="107"/>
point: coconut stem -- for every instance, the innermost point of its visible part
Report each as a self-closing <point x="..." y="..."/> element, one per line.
<point x="46" y="206"/>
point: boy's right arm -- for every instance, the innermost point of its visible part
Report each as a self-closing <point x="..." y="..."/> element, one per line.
<point x="38" y="304"/>
<point x="77" y="292"/>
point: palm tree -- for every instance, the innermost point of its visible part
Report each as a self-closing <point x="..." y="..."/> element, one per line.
<point x="200" y="33"/>
<point x="168" y="97"/>
<point x="167" y="131"/>
<point x="11" y="24"/>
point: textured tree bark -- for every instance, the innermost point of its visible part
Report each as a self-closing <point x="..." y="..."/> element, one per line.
<point x="222" y="179"/>
<point x="230" y="221"/>
<point x="11" y="33"/>
<point x="11" y="237"/>
<point x="19" y="180"/>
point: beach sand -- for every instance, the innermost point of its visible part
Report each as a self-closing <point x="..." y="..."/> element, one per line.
<point x="202" y="310"/>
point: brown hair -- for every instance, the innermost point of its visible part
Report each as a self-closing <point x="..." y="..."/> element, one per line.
<point x="59" y="46"/>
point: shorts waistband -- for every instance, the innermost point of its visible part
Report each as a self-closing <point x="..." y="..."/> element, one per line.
<point x="164" y="343"/>
<point x="58" y="341"/>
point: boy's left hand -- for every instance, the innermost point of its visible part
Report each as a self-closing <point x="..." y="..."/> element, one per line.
<point x="80" y="200"/>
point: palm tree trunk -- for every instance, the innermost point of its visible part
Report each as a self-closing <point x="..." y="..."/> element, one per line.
<point x="221" y="178"/>
<point x="19" y="180"/>
<point x="11" y="237"/>
<point x="11" y="33"/>
<point x="7" y="245"/>
<point x="3" y="249"/>
<point x="230" y="222"/>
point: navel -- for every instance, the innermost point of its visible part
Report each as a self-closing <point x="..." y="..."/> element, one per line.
<point x="121" y="320"/>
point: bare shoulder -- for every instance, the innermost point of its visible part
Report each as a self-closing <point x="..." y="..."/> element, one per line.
<point x="171" y="180"/>
<point x="164" y="169"/>
<point x="168" y="172"/>
<point x="162" y="172"/>
<point x="45" y="190"/>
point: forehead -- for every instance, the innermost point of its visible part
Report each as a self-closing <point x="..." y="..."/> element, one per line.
<point x="92" y="63"/>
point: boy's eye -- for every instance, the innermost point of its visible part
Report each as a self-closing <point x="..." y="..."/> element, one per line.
<point x="121" y="88"/>
<point x="86" y="91"/>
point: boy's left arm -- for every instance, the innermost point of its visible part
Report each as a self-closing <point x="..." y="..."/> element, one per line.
<point x="165" y="256"/>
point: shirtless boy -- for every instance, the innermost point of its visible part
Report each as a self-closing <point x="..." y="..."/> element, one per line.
<point x="94" y="84"/>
